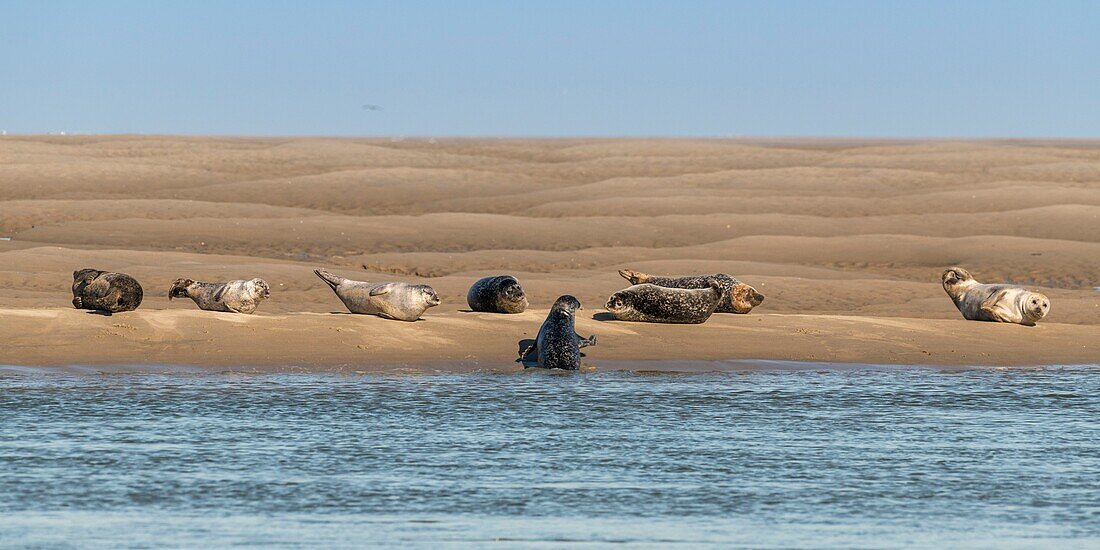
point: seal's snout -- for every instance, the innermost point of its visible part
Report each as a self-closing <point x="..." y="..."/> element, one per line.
<point x="757" y="298"/>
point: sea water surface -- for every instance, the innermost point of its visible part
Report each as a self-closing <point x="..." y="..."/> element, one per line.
<point x="813" y="456"/>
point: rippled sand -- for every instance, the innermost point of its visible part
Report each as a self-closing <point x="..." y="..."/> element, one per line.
<point x="846" y="238"/>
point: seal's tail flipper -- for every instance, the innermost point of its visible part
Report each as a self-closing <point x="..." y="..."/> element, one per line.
<point x="332" y="280"/>
<point x="635" y="277"/>
<point x="179" y="288"/>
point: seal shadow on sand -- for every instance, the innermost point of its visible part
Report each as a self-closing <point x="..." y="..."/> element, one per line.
<point x="100" y="313"/>
<point x="419" y="319"/>
<point x="532" y="360"/>
<point x="603" y="316"/>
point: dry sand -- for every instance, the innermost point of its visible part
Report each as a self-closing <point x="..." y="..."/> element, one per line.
<point x="846" y="238"/>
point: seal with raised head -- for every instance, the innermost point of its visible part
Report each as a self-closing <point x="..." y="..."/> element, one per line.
<point x="737" y="297"/>
<point x="649" y="303"/>
<point x="399" y="301"/>
<point x="998" y="303"/>
<point x="500" y="294"/>
<point x="233" y="296"/>
<point x="105" y="291"/>
<point x="558" y="345"/>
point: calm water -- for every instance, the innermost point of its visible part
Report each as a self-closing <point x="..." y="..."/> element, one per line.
<point x="873" y="457"/>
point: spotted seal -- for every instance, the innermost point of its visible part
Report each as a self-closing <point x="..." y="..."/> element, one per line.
<point x="558" y="344"/>
<point x="233" y="296"/>
<point x="738" y="297"/>
<point x="649" y="303"/>
<point x="105" y="291"/>
<point x="1000" y="303"/>
<point x="500" y="294"/>
<point x="399" y="301"/>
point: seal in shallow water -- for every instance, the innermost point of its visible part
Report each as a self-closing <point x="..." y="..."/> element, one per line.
<point x="399" y="301"/>
<point x="737" y="297"/>
<point x="500" y="294"/>
<point x="1000" y="303"/>
<point x="105" y="291"/>
<point x="233" y="296"/>
<point x="558" y="344"/>
<point x="650" y="303"/>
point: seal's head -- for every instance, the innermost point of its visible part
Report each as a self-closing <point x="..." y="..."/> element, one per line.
<point x="956" y="279"/>
<point x="179" y="288"/>
<point x="744" y="297"/>
<point x="259" y="289"/>
<point x="619" y="303"/>
<point x="567" y="305"/>
<point x="512" y="297"/>
<point x="427" y="293"/>
<point x="1035" y="306"/>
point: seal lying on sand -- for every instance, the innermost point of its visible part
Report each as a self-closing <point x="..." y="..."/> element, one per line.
<point x="232" y="296"/>
<point x="400" y="301"/>
<point x="558" y="344"/>
<point x="500" y="294"/>
<point x="737" y="297"/>
<point x="105" y="291"/>
<point x="650" y="303"/>
<point x="1000" y="303"/>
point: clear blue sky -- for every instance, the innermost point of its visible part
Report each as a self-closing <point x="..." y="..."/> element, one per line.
<point x="767" y="68"/>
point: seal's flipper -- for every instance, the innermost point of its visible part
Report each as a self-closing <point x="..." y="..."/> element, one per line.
<point x="635" y="277"/>
<point x="380" y="290"/>
<point x="527" y="351"/>
<point x="330" y="279"/>
<point x="585" y="342"/>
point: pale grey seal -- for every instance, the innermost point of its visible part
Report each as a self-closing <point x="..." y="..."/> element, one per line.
<point x="399" y="301"/>
<point x="558" y="344"/>
<point x="650" y="303"/>
<point x="1000" y="303"/>
<point x="233" y="296"/>
<point x="105" y="291"/>
<point x="500" y="294"/>
<point x="737" y="297"/>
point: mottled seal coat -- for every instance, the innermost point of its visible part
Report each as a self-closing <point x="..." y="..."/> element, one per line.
<point x="650" y="303"/>
<point x="233" y="296"/>
<point x="737" y="297"/>
<point x="999" y="303"/>
<point x="105" y="291"/>
<point x="558" y="344"/>
<point x="500" y="294"/>
<point x="399" y="301"/>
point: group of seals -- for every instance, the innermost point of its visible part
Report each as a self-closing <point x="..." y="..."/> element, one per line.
<point x="690" y="300"/>
<point x="737" y="297"/>
<point x="651" y="298"/>
<point x="117" y="292"/>
<point x="998" y="303"/>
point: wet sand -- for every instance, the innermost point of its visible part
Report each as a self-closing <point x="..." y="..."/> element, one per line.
<point x="846" y="238"/>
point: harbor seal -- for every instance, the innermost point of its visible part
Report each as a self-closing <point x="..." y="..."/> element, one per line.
<point x="649" y="303"/>
<point x="105" y="291"/>
<point x="558" y="344"/>
<point x="233" y="296"/>
<point x="738" y="297"/>
<point x="398" y="301"/>
<point x="999" y="303"/>
<point x="500" y="294"/>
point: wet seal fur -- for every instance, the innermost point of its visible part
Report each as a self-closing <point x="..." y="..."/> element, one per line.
<point x="105" y="291"/>
<point x="737" y="297"/>
<point x="998" y="303"/>
<point x="558" y="344"/>
<point x="649" y="303"/>
<point x="233" y="296"/>
<point x="499" y="294"/>
<point x="398" y="301"/>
